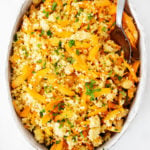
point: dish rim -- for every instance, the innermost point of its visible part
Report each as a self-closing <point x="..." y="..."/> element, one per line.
<point x="28" y="137"/>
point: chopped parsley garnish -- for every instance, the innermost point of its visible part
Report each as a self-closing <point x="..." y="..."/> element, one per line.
<point x="71" y="43"/>
<point x="48" y="89"/>
<point x="44" y="65"/>
<point x="57" y="142"/>
<point x="32" y="33"/>
<point x="81" y="133"/>
<point x="77" y="19"/>
<point x="79" y="13"/>
<point x="90" y="89"/>
<point x="26" y="53"/>
<point x="74" y="138"/>
<point x="110" y="73"/>
<point x="33" y="72"/>
<point x="56" y="65"/>
<point x="60" y="45"/>
<point x="81" y="10"/>
<point x="39" y="45"/>
<point x="43" y="0"/>
<point x="57" y="18"/>
<point x="60" y="106"/>
<point x="103" y="105"/>
<point x="70" y="59"/>
<point x="56" y="51"/>
<point x="61" y="125"/>
<point x="77" y="52"/>
<point x="64" y="4"/>
<point x="119" y="77"/>
<point x="71" y="125"/>
<point x="46" y="13"/>
<point x="39" y="61"/>
<point x="108" y="85"/>
<point x="42" y="33"/>
<point x="88" y="27"/>
<point x="90" y="16"/>
<point x="65" y="137"/>
<point x="42" y="112"/>
<point x="55" y="114"/>
<point x="104" y="29"/>
<point x="123" y="93"/>
<point x="54" y="5"/>
<point x="49" y="33"/>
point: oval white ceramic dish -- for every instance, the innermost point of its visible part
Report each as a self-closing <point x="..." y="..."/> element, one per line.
<point x="135" y="105"/>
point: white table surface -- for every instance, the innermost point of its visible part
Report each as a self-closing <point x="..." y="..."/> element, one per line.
<point x="137" y="137"/>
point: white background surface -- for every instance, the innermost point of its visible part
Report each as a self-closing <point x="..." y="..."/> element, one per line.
<point x="137" y="137"/>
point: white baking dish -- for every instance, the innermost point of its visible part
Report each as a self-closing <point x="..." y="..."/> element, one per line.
<point x="133" y="111"/>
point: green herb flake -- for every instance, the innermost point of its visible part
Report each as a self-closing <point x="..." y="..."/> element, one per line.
<point x="32" y="33"/>
<point x="104" y="29"/>
<point x="71" y="125"/>
<point x="90" y="16"/>
<point x="74" y="138"/>
<point x="49" y="33"/>
<point x="57" y="142"/>
<point x="61" y="125"/>
<point x="119" y="78"/>
<point x="90" y="89"/>
<point x="65" y="137"/>
<point x="42" y="112"/>
<point x="44" y="65"/>
<point x="123" y="93"/>
<point x="42" y="33"/>
<point x="43" y="1"/>
<point x="71" y="43"/>
<point x="64" y="4"/>
<point x="77" y="52"/>
<point x="39" y="45"/>
<point x="55" y="114"/>
<point x="46" y="13"/>
<point x="69" y="132"/>
<point x="57" y="18"/>
<point x="88" y="27"/>
<point x="81" y="10"/>
<point x="56" y="65"/>
<point x="26" y="53"/>
<point x="103" y="105"/>
<point x="70" y="59"/>
<point x="60" y="45"/>
<point x="110" y="73"/>
<point x="54" y="5"/>
<point x="81" y="133"/>
<point x="39" y="61"/>
<point x="33" y="72"/>
<point x="108" y="85"/>
<point x="56" y="51"/>
<point x="77" y="19"/>
<point x="48" y="89"/>
<point x="113" y="24"/>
